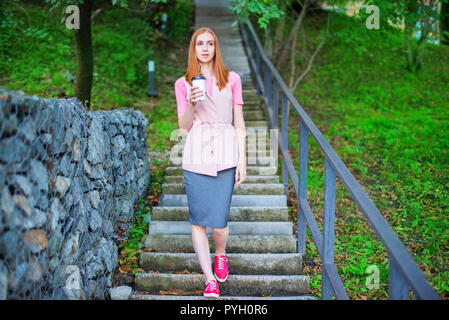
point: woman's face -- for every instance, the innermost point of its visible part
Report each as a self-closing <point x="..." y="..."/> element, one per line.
<point x="205" y="47"/>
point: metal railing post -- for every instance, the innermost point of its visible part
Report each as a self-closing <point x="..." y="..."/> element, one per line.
<point x="269" y="91"/>
<point x="398" y="288"/>
<point x="328" y="227"/>
<point x="259" y="91"/>
<point x="275" y="114"/>
<point x="265" y="80"/>
<point x="284" y="145"/>
<point x="302" y="178"/>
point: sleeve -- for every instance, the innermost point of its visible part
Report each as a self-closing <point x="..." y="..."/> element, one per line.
<point x="237" y="89"/>
<point x="181" y="97"/>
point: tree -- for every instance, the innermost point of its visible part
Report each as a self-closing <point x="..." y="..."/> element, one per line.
<point x="264" y="10"/>
<point x="418" y="18"/>
<point x="83" y="41"/>
<point x="245" y="8"/>
<point x="444" y="26"/>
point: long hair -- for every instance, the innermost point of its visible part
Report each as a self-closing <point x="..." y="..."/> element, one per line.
<point x="193" y="66"/>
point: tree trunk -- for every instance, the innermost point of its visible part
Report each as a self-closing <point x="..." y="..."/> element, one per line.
<point x="279" y="38"/>
<point x="84" y="54"/>
<point x="415" y="49"/>
<point x="292" y="59"/>
<point x="444" y="23"/>
<point x="294" y="31"/>
<point x="410" y="22"/>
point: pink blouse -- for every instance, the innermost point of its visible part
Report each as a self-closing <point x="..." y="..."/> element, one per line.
<point x="181" y="93"/>
<point x="211" y="143"/>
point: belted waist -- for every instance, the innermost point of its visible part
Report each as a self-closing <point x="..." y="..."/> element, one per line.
<point x="210" y="123"/>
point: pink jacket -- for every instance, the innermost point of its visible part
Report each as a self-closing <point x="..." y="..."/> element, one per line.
<point x="211" y="144"/>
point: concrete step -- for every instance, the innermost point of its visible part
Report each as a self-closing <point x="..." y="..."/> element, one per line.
<point x="243" y="189"/>
<point x="249" y="90"/>
<point x="250" y="170"/>
<point x="256" y="124"/>
<point x="235" y="213"/>
<point x="243" y="244"/>
<point x="253" y="107"/>
<point x="235" y="228"/>
<point x="249" y="179"/>
<point x="139" y="296"/>
<point x="261" y="152"/>
<point x="252" y="100"/>
<point x="238" y="263"/>
<point x="258" y="145"/>
<point x="258" y="128"/>
<point x="178" y="200"/>
<point x="253" y="115"/>
<point x="238" y="285"/>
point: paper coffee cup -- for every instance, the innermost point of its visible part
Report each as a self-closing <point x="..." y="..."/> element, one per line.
<point x="200" y="82"/>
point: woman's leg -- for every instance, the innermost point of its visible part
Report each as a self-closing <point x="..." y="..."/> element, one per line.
<point x="220" y="238"/>
<point x="202" y="250"/>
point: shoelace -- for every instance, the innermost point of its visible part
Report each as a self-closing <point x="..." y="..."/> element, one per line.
<point x="221" y="262"/>
<point x="212" y="285"/>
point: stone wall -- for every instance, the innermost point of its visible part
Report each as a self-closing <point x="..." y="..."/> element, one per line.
<point x="69" y="179"/>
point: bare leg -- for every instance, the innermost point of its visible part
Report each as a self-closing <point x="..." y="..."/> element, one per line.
<point x="220" y="238"/>
<point x="202" y="250"/>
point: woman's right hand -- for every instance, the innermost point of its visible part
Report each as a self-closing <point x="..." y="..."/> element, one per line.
<point x="195" y="94"/>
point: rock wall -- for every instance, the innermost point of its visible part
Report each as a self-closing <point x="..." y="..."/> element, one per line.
<point x="69" y="179"/>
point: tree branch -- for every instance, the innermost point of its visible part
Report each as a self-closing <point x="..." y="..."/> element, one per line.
<point x="95" y="14"/>
<point x="294" y="30"/>
<point x="312" y="58"/>
<point x="309" y="66"/>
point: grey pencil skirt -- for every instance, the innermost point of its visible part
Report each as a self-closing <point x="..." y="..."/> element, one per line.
<point x="209" y="198"/>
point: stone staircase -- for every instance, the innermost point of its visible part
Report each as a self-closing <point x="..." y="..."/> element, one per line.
<point x="261" y="248"/>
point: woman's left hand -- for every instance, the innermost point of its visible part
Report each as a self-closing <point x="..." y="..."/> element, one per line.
<point x="240" y="171"/>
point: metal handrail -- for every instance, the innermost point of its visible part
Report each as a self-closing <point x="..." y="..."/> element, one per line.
<point x="403" y="271"/>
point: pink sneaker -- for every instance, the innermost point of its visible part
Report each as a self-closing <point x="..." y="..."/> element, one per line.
<point x="221" y="268"/>
<point x="212" y="289"/>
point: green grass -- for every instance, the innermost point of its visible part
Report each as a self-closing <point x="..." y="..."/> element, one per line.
<point x="390" y="128"/>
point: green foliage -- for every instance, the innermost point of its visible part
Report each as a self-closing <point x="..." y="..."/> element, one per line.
<point x="131" y="247"/>
<point x="179" y="19"/>
<point x="264" y="10"/>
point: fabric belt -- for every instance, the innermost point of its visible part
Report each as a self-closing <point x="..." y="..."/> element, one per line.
<point x="210" y="125"/>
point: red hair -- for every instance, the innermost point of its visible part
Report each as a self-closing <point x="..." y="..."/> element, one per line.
<point x="193" y="66"/>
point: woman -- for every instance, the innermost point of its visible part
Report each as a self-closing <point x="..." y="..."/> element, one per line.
<point x="214" y="157"/>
